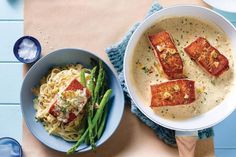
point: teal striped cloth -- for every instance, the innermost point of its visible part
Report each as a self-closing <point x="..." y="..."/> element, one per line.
<point x="116" y="55"/>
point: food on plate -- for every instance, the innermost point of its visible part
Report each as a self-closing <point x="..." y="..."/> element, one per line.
<point x="71" y="102"/>
<point x="209" y="90"/>
<point x="173" y="93"/>
<point x="167" y="54"/>
<point x="207" y="56"/>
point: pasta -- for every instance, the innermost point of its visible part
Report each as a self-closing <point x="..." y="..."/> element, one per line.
<point x="62" y="109"/>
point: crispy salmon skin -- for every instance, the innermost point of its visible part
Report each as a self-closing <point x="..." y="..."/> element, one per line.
<point x="207" y="56"/>
<point x="76" y="85"/>
<point x="167" y="54"/>
<point x="173" y="93"/>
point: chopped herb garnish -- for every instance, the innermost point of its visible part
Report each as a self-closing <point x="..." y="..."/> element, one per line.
<point x="145" y="69"/>
<point x="63" y="109"/>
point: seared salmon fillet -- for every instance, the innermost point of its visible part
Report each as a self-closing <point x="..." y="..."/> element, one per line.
<point x="207" y="56"/>
<point x="74" y="85"/>
<point x="167" y="54"/>
<point x="173" y="93"/>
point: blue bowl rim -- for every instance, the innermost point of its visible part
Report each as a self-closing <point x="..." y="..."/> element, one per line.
<point x="86" y="148"/>
<point x="10" y="138"/>
<point x="37" y="43"/>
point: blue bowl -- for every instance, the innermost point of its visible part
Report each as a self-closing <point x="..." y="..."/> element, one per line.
<point x="40" y="69"/>
<point x="10" y="147"/>
<point x="16" y="47"/>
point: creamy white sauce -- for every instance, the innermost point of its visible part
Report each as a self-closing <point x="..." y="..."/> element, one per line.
<point x="210" y="91"/>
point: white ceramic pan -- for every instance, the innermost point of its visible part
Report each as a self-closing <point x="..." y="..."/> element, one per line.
<point x="208" y="119"/>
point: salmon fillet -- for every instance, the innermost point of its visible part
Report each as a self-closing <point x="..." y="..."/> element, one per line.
<point x="207" y="56"/>
<point x="173" y="93"/>
<point x="74" y="85"/>
<point x="167" y="54"/>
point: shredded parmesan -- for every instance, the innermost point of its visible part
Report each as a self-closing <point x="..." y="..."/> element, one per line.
<point x="167" y="95"/>
<point x="160" y="47"/>
<point x="186" y="96"/>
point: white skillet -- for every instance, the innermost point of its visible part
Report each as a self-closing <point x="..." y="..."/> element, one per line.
<point x="206" y="120"/>
<point x="224" y="5"/>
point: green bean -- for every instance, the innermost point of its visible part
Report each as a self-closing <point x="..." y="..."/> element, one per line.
<point x="94" y="121"/>
<point x="82" y="78"/>
<point x="78" y="143"/>
<point x="96" y="130"/>
<point x="91" y="89"/>
<point x="97" y="90"/>
<point x="91" y="137"/>
<point x="99" y="112"/>
<point x="91" y="82"/>
<point x="101" y="106"/>
<point x="90" y="107"/>
<point x="101" y="93"/>
<point x="84" y="129"/>
<point x="87" y="140"/>
<point x="102" y="123"/>
<point x="99" y="82"/>
<point x="103" y="89"/>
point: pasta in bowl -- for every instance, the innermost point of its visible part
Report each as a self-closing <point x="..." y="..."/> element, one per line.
<point x="60" y="108"/>
<point x="56" y="98"/>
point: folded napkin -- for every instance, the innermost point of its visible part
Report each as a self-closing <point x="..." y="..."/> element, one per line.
<point x="116" y="55"/>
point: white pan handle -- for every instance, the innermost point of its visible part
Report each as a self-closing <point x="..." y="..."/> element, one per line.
<point x="186" y="142"/>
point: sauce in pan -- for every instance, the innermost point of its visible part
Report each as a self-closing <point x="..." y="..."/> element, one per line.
<point x="210" y="91"/>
